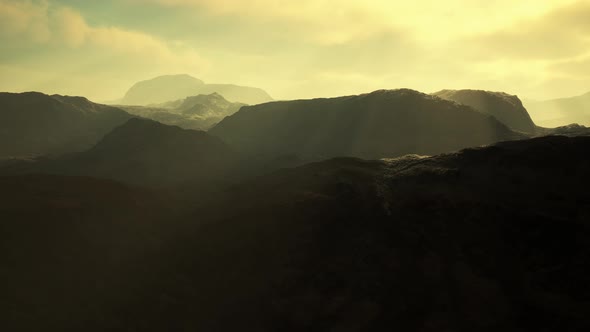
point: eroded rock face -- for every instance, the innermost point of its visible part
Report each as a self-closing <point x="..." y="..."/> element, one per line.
<point x="508" y="109"/>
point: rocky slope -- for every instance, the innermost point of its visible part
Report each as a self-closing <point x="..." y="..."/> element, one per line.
<point x="33" y="123"/>
<point x="508" y="109"/>
<point x="375" y="125"/>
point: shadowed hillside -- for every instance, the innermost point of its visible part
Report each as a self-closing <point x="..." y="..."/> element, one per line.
<point x="172" y="87"/>
<point x="376" y="125"/>
<point x="68" y="245"/>
<point x="487" y="239"/>
<point x="506" y="108"/>
<point x="147" y="152"/>
<point x="33" y="123"/>
<point x="142" y="152"/>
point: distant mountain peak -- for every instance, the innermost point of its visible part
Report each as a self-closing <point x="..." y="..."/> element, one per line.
<point x="559" y="112"/>
<point x="174" y="77"/>
<point x="216" y="95"/>
<point x="166" y="88"/>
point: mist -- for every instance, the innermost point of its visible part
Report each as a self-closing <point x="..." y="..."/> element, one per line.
<point x="316" y="49"/>
<point x="312" y="165"/>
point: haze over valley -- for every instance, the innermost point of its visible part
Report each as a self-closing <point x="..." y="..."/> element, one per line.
<point x="348" y="165"/>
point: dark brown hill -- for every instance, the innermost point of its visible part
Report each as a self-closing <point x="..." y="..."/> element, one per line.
<point x="375" y="125"/>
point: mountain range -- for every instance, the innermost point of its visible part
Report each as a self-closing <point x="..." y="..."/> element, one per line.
<point x="33" y="123"/>
<point x="385" y="123"/>
<point x="167" y="88"/>
<point x="104" y="141"/>
<point x="195" y="112"/>
<point x="462" y="215"/>
<point x="143" y="152"/>
<point x="562" y="111"/>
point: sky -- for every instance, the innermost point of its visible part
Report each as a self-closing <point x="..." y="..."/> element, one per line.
<point x="536" y="49"/>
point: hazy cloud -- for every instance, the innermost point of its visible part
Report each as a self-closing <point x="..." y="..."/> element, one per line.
<point x="298" y="49"/>
<point x="563" y="32"/>
<point x="24" y="19"/>
<point x="577" y="68"/>
<point x="51" y="30"/>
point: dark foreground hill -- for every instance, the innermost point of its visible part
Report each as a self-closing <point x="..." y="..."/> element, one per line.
<point x="487" y="239"/>
<point x="375" y="125"/>
<point x="508" y="109"/>
<point x="33" y="123"/>
<point x="172" y="87"/>
<point x="68" y="243"/>
<point x="150" y="153"/>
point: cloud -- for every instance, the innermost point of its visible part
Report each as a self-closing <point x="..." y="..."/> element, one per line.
<point x="561" y="33"/>
<point x="56" y="50"/>
<point x="70" y="27"/>
<point x="24" y="19"/>
<point x="344" y="20"/>
<point x="297" y="49"/>
<point x="63" y="26"/>
<point x="578" y="67"/>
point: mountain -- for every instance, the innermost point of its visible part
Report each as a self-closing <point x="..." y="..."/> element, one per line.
<point x="162" y="89"/>
<point x="385" y="123"/>
<point x="195" y="112"/>
<point x="212" y="105"/>
<point x="237" y="94"/>
<point x="571" y="130"/>
<point x="485" y="239"/>
<point x="148" y="152"/>
<point x="142" y="152"/>
<point x="508" y="109"/>
<point x="65" y="239"/>
<point x="560" y="112"/>
<point x="33" y="123"/>
<point x="173" y="87"/>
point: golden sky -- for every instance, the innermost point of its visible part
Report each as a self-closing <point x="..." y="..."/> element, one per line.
<point x="297" y="49"/>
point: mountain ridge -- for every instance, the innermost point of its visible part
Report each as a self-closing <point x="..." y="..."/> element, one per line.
<point x="167" y="88"/>
<point x="384" y="123"/>
<point x="507" y="108"/>
<point x="562" y="111"/>
<point x="33" y="123"/>
<point x="146" y="152"/>
<point x="198" y="112"/>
